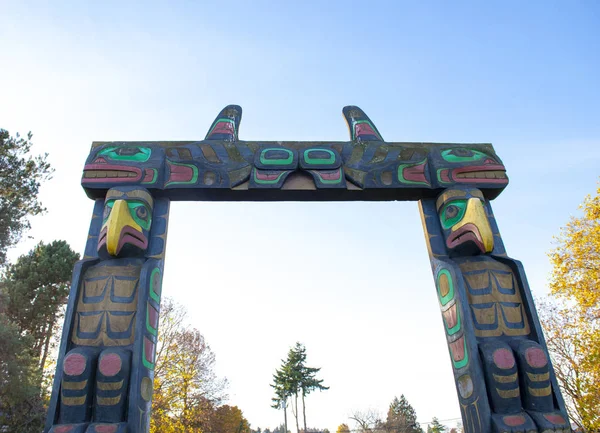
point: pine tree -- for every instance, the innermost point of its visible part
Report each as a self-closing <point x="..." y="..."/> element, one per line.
<point x="436" y="426"/>
<point x="401" y="417"/>
<point x="294" y="378"/>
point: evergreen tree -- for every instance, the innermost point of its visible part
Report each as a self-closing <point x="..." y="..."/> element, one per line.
<point x="401" y="417"/>
<point x="307" y="376"/>
<point x="436" y="426"/>
<point x="36" y="288"/>
<point x="20" y="179"/>
<point x="294" y="378"/>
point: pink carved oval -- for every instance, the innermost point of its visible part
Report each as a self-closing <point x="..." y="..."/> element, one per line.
<point x="503" y="358"/>
<point x="110" y="364"/>
<point x="555" y="418"/>
<point x="536" y="357"/>
<point x="106" y="428"/>
<point x="514" y="420"/>
<point x="74" y="364"/>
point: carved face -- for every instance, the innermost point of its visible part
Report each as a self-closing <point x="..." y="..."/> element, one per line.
<point x="469" y="166"/>
<point x="126" y="222"/>
<point x="119" y="165"/>
<point x="464" y="221"/>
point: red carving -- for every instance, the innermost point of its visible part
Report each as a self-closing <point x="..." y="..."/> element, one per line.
<point x="223" y="128"/>
<point x="149" y="175"/>
<point x="514" y="420"/>
<point x="63" y="428"/>
<point x="468" y="232"/>
<point x="415" y="173"/>
<point x="74" y="364"/>
<point x="330" y="175"/>
<point x="180" y="173"/>
<point x="555" y="418"/>
<point x="536" y="357"/>
<point x="504" y="359"/>
<point x="110" y="364"/>
<point x="458" y="349"/>
<point x="149" y="350"/>
<point x="106" y="428"/>
<point x="267" y="175"/>
<point x="444" y="176"/>
<point x="364" y="129"/>
<point x="450" y="316"/>
<point x="153" y="316"/>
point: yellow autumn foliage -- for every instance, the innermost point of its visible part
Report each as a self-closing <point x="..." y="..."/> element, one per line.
<point x="573" y="327"/>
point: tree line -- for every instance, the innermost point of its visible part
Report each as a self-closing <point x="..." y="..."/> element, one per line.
<point x="33" y="290"/>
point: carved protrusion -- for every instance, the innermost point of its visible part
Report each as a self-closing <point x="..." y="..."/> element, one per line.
<point x="226" y="125"/>
<point x="359" y="125"/>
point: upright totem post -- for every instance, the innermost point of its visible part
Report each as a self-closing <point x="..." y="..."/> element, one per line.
<point x="106" y="358"/>
<point x="104" y="374"/>
<point x="504" y="379"/>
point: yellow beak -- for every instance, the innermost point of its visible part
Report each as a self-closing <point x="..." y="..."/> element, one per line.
<point x="475" y="214"/>
<point x="119" y="218"/>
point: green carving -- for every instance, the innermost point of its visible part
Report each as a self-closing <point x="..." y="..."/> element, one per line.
<point x="450" y="295"/>
<point x="319" y="161"/>
<point x="268" y="182"/>
<point x="153" y="293"/>
<point x="285" y="161"/>
<point x="462" y="155"/>
<point x="194" y="175"/>
<point x="330" y="181"/>
<point x="401" y="178"/>
<point x="133" y="153"/>
<point x="455" y="328"/>
<point x="452" y="213"/>
<point x="154" y="177"/>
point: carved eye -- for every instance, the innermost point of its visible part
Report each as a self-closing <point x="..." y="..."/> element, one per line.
<point x="142" y="212"/>
<point x="451" y="211"/>
<point x="128" y="151"/>
<point x="462" y="152"/>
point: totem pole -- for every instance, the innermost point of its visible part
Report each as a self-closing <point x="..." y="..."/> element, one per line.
<point x="106" y="360"/>
<point x="503" y="376"/>
<point x="104" y="374"/>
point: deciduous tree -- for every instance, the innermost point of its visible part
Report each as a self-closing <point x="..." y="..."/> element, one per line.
<point x="343" y="428"/>
<point x="21" y="175"/>
<point x="230" y="419"/>
<point x="187" y="391"/>
<point x="572" y="323"/>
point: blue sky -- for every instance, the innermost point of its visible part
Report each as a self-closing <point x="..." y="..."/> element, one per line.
<point x="350" y="280"/>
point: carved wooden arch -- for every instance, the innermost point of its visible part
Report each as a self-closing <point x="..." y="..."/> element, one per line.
<point x="504" y="379"/>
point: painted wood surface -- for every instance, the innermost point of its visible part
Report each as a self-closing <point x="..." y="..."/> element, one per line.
<point x="103" y="382"/>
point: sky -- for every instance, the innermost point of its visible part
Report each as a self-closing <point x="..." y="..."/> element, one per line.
<point x="349" y="280"/>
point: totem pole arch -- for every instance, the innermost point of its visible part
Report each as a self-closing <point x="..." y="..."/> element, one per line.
<point x="103" y="382"/>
